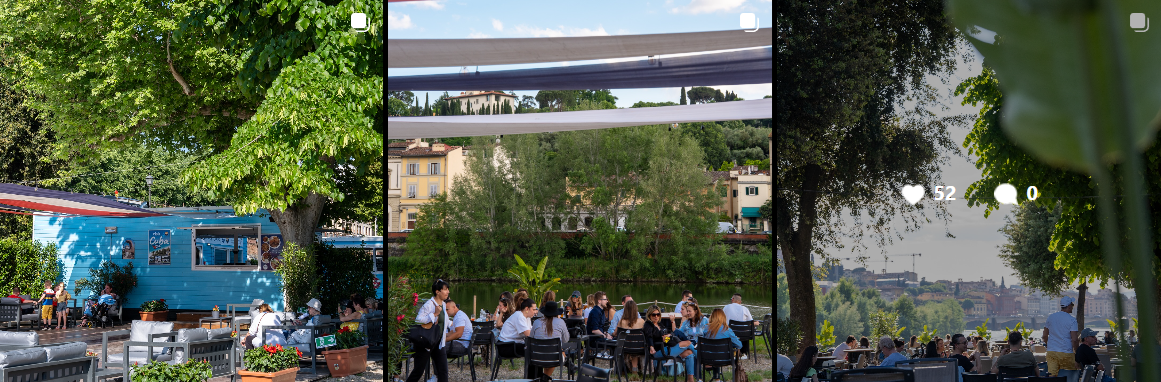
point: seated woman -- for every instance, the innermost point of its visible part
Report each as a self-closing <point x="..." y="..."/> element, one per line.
<point x="631" y="320"/>
<point x="266" y="317"/>
<point x="501" y="314"/>
<point x="655" y="333"/>
<point x="719" y="328"/>
<point x="693" y="324"/>
<point x="551" y="326"/>
<point x="517" y="328"/>
<point x="352" y="311"/>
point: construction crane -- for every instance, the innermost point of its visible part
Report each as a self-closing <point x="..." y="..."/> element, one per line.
<point x="906" y="254"/>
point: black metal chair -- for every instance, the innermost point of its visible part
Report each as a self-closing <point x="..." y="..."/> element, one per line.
<point x="481" y="337"/>
<point x="466" y="353"/>
<point x="765" y="332"/>
<point x="745" y="332"/>
<point x="575" y="347"/>
<point x="546" y="353"/>
<point x="979" y="377"/>
<point x="503" y="351"/>
<point x="590" y="373"/>
<point x="1047" y="379"/>
<point x="1016" y="372"/>
<point x="715" y="353"/>
<point x="877" y="374"/>
<point x="661" y="361"/>
<point x="631" y="342"/>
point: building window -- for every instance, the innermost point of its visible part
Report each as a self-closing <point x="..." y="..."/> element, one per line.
<point x="735" y="193"/>
<point x="411" y="221"/>
<point x="412" y="168"/>
<point x="432" y="190"/>
<point x="411" y="191"/>
<point x="433" y="168"/>
<point x="217" y="246"/>
<point x="488" y="97"/>
<point x="751" y="190"/>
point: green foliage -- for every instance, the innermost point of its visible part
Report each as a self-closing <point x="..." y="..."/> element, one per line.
<point x="299" y="273"/>
<point x="930" y="288"/>
<point x="982" y="331"/>
<point x="946" y="314"/>
<point x="27" y="264"/>
<point x="402" y="304"/>
<point x="154" y="306"/>
<point x="121" y="278"/>
<point x="1025" y="333"/>
<point x="825" y="337"/>
<point x="191" y="371"/>
<point x="885" y="324"/>
<point x="1027" y="251"/>
<point x="683" y="99"/>
<point x="270" y="359"/>
<point x="713" y="266"/>
<point x="967" y="304"/>
<point x="341" y="272"/>
<point x="27" y="154"/>
<point x="787" y="336"/>
<point x="927" y="335"/>
<point x="783" y="301"/>
<point x="124" y="171"/>
<point x="845" y="319"/>
<point x="652" y="104"/>
<point x="904" y="306"/>
<point x="702" y="94"/>
<point x="536" y="281"/>
<point x="710" y="138"/>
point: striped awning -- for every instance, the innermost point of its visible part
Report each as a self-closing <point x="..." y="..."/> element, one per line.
<point x="18" y="199"/>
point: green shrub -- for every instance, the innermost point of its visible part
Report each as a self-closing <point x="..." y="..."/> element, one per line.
<point x="27" y="264"/>
<point x="120" y="278"/>
<point x="299" y="273"/>
<point x="270" y="359"/>
<point x="192" y="371"/>
<point x="154" y="306"/>
<point x="787" y="336"/>
<point x="341" y="272"/>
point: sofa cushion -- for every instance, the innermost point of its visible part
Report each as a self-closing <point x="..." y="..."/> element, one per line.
<point x="22" y="357"/>
<point x="139" y="357"/>
<point x="141" y="330"/>
<point x="188" y="335"/>
<point x="9" y="301"/>
<point x="219" y="333"/>
<point x="65" y="351"/>
<point x="20" y="338"/>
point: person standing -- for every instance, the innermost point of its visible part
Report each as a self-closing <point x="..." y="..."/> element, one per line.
<point x="434" y="311"/>
<point x="47" y="302"/>
<point x="1061" y="338"/>
<point x="62" y="306"/>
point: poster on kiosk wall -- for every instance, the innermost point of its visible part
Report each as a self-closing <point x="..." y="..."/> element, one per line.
<point x="159" y="248"/>
<point x="271" y="252"/>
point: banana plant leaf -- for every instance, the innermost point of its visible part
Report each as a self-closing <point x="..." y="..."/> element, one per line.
<point x="1072" y="71"/>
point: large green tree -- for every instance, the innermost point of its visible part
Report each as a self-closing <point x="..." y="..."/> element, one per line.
<point x="843" y="151"/>
<point x="25" y="154"/>
<point x="283" y="95"/>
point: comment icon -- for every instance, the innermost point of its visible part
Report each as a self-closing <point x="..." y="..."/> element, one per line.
<point x="1005" y="193"/>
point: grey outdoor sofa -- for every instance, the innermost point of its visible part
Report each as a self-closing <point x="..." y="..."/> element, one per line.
<point x="149" y="341"/>
<point x="53" y="363"/>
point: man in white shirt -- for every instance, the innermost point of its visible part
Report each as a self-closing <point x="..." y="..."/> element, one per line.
<point x="433" y="311"/>
<point x="617" y="315"/>
<point x="784" y="365"/>
<point x="736" y="312"/>
<point x="685" y="296"/>
<point x="459" y="331"/>
<point x="1060" y="334"/>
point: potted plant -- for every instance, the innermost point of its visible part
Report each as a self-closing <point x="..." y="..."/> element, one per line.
<point x="349" y="355"/>
<point x="191" y="371"/>
<point x="270" y="364"/>
<point x="154" y="310"/>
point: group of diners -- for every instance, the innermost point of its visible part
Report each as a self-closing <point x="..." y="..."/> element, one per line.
<point x="517" y="317"/>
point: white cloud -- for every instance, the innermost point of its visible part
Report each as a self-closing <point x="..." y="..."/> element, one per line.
<point x="396" y="22"/>
<point x="497" y="25"/>
<point x="561" y="31"/>
<point x="424" y="4"/>
<point x="475" y="34"/>
<point x="709" y="6"/>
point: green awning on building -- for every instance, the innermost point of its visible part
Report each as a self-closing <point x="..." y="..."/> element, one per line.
<point x="750" y="212"/>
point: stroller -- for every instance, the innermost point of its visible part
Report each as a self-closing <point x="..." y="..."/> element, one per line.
<point x="95" y="314"/>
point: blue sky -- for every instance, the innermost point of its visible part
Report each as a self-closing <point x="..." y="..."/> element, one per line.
<point x="454" y="19"/>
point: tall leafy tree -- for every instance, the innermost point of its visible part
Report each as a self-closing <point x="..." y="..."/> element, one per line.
<point x="702" y="94"/>
<point x="842" y="68"/>
<point x="227" y="77"/>
<point x="25" y="154"/>
<point x="683" y="100"/>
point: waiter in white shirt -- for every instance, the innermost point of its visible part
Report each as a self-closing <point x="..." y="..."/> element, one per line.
<point x="435" y="311"/>
<point x="736" y="312"/>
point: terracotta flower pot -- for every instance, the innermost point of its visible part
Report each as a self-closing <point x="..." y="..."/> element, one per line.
<point x="346" y="362"/>
<point x="278" y="376"/>
<point x="154" y="316"/>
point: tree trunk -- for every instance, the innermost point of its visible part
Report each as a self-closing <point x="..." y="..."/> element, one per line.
<point x="298" y="222"/>
<point x="796" y="252"/>
<point x="1083" y="289"/>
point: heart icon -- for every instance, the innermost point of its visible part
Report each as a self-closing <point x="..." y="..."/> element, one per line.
<point x="912" y="193"/>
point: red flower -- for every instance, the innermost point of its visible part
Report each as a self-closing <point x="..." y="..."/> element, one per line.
<point x="399" y="319"/>
<point x="399" y="331"/>
<point x="162" y="300"/>
<point x="298" y="351"/>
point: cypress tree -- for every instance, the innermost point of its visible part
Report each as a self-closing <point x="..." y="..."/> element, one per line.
<point x="426" y="104"/>
<point x="683" y="100"/>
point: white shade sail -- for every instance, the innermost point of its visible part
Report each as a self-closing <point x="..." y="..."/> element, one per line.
<point x="481" y="125"/>
<point x="419" y="53"/>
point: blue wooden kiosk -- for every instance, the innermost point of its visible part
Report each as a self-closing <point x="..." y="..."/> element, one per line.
<point x="195" y="258"/>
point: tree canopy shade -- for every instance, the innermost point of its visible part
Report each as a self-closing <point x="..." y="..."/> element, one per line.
<point x="842" y="147"/>
<point x="422" y="53"/>
<point x="229" y="77"/>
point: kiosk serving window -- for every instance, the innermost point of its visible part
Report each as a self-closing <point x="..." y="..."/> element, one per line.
<point x="217" y="247"/>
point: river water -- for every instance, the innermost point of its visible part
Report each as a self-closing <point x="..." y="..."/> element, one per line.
<point x="758" y="297"/>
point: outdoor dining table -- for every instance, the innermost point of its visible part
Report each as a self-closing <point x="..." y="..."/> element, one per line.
<point x="821" y="359"/>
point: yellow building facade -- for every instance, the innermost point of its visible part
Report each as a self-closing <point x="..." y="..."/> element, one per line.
<point x="427" y="170"/>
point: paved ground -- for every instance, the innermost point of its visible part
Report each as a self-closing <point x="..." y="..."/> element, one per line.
<point x="92" y="337"/>
<point x="760" y="371"/>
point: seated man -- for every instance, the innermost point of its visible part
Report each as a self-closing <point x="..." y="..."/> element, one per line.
<point x="1014" y="356"/>
<point x="890" y="355"/>
<point x="107" y="299"/>
<point x="459" y="330"/>
<point x="1085" y="355"/>
<point x="16" y="294"/>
